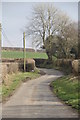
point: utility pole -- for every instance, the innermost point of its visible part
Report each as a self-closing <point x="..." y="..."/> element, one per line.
<point x="24" y="52"/>
<point x="0" y="58"/>
<point x="0" y="40"/>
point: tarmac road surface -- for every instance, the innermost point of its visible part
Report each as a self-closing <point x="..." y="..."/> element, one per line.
<point x="34" y="99"/>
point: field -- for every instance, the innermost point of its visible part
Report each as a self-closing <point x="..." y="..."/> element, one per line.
<point x="19" y="54"/>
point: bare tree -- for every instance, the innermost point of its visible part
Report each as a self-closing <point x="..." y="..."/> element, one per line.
<point x="48" y="21"/>
<point x="43" y="23"/>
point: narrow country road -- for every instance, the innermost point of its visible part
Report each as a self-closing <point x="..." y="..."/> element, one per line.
<point x="34" y="99"/>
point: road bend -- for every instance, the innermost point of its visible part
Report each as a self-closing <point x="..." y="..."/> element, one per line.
<point x="34" y="99"/>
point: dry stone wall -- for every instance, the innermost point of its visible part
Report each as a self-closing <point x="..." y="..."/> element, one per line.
<point x="76" y="67"/>
<point x="13" y="66"/>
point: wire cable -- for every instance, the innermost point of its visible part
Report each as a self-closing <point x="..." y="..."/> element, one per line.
<point x="6" y="38"/>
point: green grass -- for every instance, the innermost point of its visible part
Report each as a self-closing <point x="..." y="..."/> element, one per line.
<point x="19" y="54"/>
<point x="17" y="79"/>
<point x="67" y="89"/>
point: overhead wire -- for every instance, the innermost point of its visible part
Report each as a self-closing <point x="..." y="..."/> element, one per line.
<point x="9" y="41"/>
<point x="6" y="37"/>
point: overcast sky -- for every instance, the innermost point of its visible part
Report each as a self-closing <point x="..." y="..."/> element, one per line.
<point x="14" y="20"/>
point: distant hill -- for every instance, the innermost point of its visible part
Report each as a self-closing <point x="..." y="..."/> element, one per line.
<point x="17" y="49"/>
<point x="21" y="49"/>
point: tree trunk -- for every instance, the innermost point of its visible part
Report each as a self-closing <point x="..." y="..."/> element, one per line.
<point x="49" y="56"/>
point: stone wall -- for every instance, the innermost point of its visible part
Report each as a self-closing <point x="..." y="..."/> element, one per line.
<point x="8" y="68"/>
<point x="13" y="66"/>
<point x="63" y="62"/>
<point x="76" y="67"/>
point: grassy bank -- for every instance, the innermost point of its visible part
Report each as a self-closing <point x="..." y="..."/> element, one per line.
<point x="15" y="81"/>
<point x="19" y="54"/>
<point x="67" y="89"/>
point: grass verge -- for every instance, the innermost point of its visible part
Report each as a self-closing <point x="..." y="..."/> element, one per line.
<point x="67" y="89"/>
<point x="16" y="80"/>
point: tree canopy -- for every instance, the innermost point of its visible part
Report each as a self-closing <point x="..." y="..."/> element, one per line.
<point x="53" y="29"/>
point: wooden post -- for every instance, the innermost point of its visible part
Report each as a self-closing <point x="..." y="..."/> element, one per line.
<point x="24" y="52"/>
<point x="0" y="40"/>
<point x="0" y="61"/>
